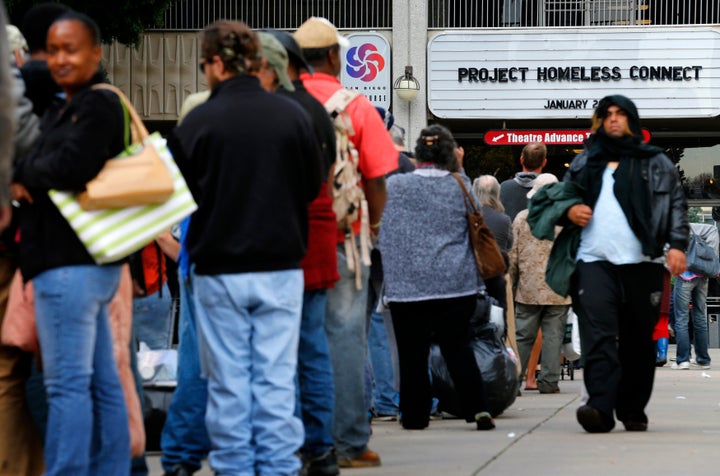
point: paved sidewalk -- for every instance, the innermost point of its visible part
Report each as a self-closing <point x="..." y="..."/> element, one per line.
<point x="538" y="435"/>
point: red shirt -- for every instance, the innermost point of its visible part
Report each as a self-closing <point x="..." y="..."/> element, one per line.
<point x="153" y="260"/>
<point x="376" y="150"/>
<point x="320" y="262"/>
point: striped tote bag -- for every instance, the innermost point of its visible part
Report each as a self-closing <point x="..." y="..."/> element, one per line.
<point x="112" y="234"/>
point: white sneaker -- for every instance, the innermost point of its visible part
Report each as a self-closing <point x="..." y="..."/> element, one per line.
<point x="680" y="366"/>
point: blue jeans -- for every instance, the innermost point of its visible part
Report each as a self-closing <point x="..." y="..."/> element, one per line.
<point x="87" y="431"/>
<point x="248" y="332"/>
<point x="685" y="292"/>
<point x="315" y="378"/>
<point x="184" y="437"/>
<point x="347" y="335"/>
<point x="381" y="344"/>
<point x="153" y="319"/>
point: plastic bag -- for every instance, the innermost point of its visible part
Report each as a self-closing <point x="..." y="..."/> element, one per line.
<point x="571" y="342"/>
<point x="497" y="367"/>
<point x="157" y="367"/>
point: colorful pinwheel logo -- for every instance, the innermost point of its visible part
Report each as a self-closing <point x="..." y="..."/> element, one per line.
<point x="364" y="62"/>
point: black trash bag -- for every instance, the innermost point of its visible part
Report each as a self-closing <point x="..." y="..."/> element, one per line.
<point x="483" y="316"/>
<point x="497" y="367"/>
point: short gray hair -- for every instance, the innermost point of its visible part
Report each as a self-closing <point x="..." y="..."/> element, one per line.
<point x="398" y="135"/>
<point x="487" y="191"/>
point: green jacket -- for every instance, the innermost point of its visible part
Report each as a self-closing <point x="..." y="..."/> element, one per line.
<point x="546" y="210"/>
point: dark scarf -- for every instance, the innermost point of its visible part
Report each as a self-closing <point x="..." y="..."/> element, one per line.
<point x="630" y="188"/>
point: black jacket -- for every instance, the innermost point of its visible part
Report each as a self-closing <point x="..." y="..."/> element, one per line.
<point x="76" y="139"/>
<point x="322" y="124"/>
<point x="669" y="207"/>
<point x="252" y="163"/>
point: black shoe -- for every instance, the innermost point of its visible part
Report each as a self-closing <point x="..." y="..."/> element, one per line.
<point x="660" y="362"/>
<point x="180" y="470"/>
<point x="484" y="421"/>
<point x="631" y="425"/>
<point x="593" y="420"/>
<point x="324" y="464"/>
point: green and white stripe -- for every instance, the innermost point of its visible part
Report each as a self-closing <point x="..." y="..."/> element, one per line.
<point x="110" y="235"/>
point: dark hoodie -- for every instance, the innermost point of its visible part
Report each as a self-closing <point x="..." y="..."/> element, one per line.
<point x="513" y="192"/>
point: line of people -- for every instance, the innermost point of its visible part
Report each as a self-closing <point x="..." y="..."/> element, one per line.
<point x="273" y="334"/>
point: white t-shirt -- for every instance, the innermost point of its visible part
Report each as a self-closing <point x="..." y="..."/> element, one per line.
<point x="608" y="236"/>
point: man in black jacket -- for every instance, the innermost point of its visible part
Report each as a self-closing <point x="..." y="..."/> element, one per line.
<point x="252" y="163"/>
<point x="634" y="206"/>
<point x="315" y="377"/>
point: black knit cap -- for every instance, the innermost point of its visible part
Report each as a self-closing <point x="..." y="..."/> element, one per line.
<point x="626" y="105"/>
<point x="291" y="46"/>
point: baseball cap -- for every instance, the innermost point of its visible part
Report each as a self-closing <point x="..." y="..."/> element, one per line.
<point x="540" y="181"/>
<point x="386" y="116"/>
<point x="294" y="52"/>
<point x="318" y="32"/>
<point x="275" y="54"/>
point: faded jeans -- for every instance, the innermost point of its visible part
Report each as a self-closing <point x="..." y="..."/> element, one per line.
<point x="685" y="292"/>
<point x="153" y="319"/>
<point x="248" y="332"/>
<point x="315" y="389"/>
<point x="383" y="355"/>
<point x="87" y="431"/>
<point x="347" y="336"/>
<point x="184" y="437"/>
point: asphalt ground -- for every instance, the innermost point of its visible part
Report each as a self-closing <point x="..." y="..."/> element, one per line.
<point x="539" y="435"/>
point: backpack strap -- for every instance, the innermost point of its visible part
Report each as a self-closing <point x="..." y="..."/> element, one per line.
<point x="338" y="102"/>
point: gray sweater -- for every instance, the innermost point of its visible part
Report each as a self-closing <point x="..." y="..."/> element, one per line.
<point x="424" y="238"/>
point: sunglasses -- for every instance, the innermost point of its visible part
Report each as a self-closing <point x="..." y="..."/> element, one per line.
<point x="203" y="62"/>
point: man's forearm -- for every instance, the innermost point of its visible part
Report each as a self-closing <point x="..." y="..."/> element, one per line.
<point x="376" y="195"/>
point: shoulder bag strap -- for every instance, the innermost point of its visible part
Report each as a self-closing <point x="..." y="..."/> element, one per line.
<point x="138" y="130"/>
<point x="469" y="202"/>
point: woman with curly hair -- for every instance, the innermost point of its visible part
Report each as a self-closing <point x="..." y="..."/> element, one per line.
<point x="431" y="280"/>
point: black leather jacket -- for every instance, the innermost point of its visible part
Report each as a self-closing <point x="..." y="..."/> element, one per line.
<point x="669" y="206"/>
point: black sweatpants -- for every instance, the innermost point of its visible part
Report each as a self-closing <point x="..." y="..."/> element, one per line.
<point x="447" y="320"/>
<point x="618" y="307"/>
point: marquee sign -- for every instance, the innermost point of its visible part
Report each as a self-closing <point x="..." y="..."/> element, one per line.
<point x="562" y="73"/>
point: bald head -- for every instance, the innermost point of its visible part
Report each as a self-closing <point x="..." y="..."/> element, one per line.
<point x="533" y="157"/>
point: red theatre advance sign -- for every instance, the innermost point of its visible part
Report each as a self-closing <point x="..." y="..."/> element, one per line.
<point x="553" y="137"/>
